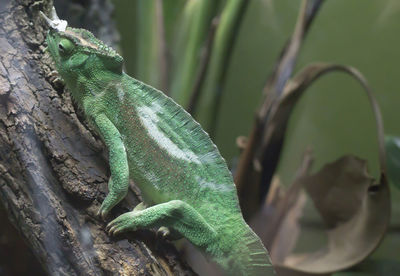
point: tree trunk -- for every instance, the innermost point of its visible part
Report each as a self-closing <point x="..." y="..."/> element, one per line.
<point x="53" y="170"/>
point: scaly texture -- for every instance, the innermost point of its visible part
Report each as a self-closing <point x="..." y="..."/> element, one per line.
<point x="184" y="181"/>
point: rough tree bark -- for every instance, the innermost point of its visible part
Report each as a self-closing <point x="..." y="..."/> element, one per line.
<point x="53" y="170"/>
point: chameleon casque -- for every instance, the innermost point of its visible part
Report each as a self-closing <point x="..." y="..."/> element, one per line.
<point x="185" y="183"/>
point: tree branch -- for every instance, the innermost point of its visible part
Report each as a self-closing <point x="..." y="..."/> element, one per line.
<point x="52" y="173"/>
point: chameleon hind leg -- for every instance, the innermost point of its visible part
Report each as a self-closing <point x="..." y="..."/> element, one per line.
<point x="175" y="214"/>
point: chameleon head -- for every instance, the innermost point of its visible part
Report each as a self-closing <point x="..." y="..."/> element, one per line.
<point x="77" y="52"/>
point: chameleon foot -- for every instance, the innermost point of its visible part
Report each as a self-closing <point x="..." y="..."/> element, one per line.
<point x="103" y="211"/>
<point x="123" y="223"/>
<point x="168" y="234"/>
<point x="109" y="202"/>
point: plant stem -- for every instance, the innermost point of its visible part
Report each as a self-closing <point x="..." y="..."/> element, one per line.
<point x="151" y="57"/>
<point x="195" y="23"/>
<point x="225" y="37"/>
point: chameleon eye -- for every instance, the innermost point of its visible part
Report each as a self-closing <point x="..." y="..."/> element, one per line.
<point x="65" y="46"/>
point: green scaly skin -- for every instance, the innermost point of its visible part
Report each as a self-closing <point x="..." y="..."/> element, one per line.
<point x="185" y="183"/>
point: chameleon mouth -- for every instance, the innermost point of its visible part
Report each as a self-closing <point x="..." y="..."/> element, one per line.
<point x="55" y="22"/>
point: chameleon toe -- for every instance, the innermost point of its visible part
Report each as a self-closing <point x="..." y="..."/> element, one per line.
<point x="111" y="231"/>
<point x="111" y="226"/>
<point x="117" y="232"/>
<point x="108" y="227"/>
<point x="163" y="232"/>
<point x="100" y="214"/>
<point x="118" y="229"/>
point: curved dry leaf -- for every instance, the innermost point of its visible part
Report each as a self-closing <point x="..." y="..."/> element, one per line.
<point x="295" y="88"/>
<point x="355" y="207"/>
<point x="356" y="210"/>
<point x="277" y="221"/>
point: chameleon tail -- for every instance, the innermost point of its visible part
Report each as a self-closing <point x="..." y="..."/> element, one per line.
<point x="245" y="256"/>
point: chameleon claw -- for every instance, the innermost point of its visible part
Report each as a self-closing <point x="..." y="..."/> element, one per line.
<point x="104" y="210"/>
<point x="118" y="229"/>
<point x="111" y="231"/>
<point x="167" y="234"/>
<point x="102" y="214"/>
<point x="163" y="232"/>
<point x="109" y="226"/>
<point x="115" y="230"/>
<point x="121" y="224"/>
<point x="112" y="226"/>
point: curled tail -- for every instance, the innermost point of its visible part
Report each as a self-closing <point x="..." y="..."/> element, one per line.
<point x="244" y="254"/>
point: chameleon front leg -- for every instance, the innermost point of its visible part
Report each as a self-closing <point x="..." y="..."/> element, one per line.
<point x="174" y="214"/>
<point x="119" y="181"/>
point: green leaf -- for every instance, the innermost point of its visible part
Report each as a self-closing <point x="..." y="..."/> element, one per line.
<point x="191" y="36"/>
<point x="228" y="28"/>
<point x="151" y="60"/>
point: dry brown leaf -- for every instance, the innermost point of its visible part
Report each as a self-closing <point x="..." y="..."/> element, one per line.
<point x="353" y="205"/>
<point x="277" y="222"/>
<point x="355" y="208"/>
<point x="286" y="238"/>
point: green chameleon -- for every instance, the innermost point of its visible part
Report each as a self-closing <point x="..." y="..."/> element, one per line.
<point x="185" y="183"/>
